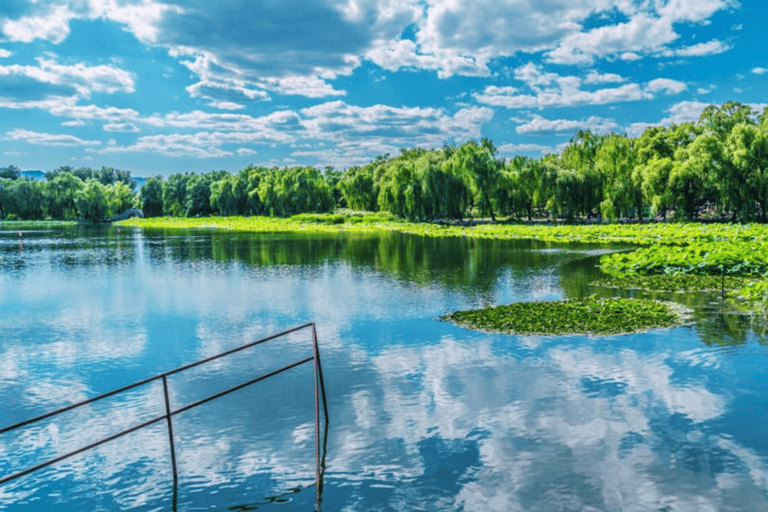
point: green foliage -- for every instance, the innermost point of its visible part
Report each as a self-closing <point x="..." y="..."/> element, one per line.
<point x="175" y="194"/>
<point x="62" y="190"/>
<point x="591" y="316"/>
<point x="289" y="191"/>
<point x="714" y="258"/>
<point x="152" y="197"/>
<point x="357" y="188"/>
<point x="671" y="282"/>
<point x="11" y="172"/>
<point x="92" y="201"/>
<point x="24" y="198"/>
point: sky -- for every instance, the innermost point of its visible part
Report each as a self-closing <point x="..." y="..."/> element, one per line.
<point x="157" y="87"/>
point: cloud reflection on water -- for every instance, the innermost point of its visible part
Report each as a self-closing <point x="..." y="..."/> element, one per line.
<point x="424" y="415"/>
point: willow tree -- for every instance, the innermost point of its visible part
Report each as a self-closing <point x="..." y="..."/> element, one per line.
<point x="480" y="163"/>
<point x="747" y="150"/>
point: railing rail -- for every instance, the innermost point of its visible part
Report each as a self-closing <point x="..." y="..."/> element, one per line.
<point x="319" y="392"/>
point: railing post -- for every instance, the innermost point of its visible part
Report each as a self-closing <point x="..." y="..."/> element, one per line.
<point x="319" y="386"/>
<point x="170" y="432"/>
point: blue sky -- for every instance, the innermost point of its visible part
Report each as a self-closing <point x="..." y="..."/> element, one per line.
<point x="164" y="86"/>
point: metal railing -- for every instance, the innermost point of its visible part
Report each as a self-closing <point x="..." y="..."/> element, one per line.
<point x="319" y="391"/>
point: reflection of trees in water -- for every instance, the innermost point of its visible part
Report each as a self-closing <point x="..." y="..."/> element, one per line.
<point x="718" y="322"/>
<point x="458" y="263"/>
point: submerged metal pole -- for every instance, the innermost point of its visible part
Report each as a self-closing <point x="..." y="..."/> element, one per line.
<point x="319" y="386"/>
<point x="170" y="433"/>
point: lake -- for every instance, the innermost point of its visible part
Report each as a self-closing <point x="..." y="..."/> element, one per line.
<point x="424" y="415"/>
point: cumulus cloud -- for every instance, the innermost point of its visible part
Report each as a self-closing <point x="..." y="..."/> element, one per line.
<point x="356" y="133"/>
<point x="5" y="53"/>
<point x="50" y="84"/>
<point x="552" y="90"/>
<point x="540" y="126"/>
<point x="649" y="30"/>
<point x="759" y="71"/>
<point x="666" y="85"/>
<point x="600" y="78"/>
<point x="510" y="150"/>
<point x="49" y="139"/>
<point x="699" y="50"/>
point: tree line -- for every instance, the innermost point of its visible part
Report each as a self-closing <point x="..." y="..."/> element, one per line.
<point x="716" y="166"/>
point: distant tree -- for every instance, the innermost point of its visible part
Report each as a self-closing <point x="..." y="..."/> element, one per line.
<point x="289" y="191"/>
<point x="11" y="172"/>
<point x="224" y="196"/>
<point x="357" y="188"/>
<point x="479" y="161"/>
<point x="85" y="173"/>
<point x="333" y="178"/>
<point x="62" y="190"/>
<point x="29" y="199"/>
<point x="92" y="201"/>
<point x="7" y="198"/>
<point x="175" y="194"/>
<point x="747" y="150"/>
<point x="152" y="197"/>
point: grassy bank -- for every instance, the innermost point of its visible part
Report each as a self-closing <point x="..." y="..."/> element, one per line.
<point x="641" y="234"/>
<point x="34" y="224"/>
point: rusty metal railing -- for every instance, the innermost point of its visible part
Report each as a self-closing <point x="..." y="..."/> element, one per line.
<point x="319" y="392"/>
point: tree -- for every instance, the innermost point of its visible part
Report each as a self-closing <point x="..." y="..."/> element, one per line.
<point x="447" y="190"/>
<point x="747" y="150"/>
<point x="480" y="163"/>
<point x="223" y="198"/>
<point x="580" y="156"/>
<point x="722" y="176"/>
<point x="175" y="194"/>
<point x="357" y="188"/>
<point x="333" y="178"/>
<point x="531" y="181"/>
<point x="152" y="197"/>
<point x="7" y="199"/>
<point x="11" y="172"/>
<point x="394" y="189"/>
<point x="570" y="189"/>
<point x="92" y="201"/>
<point x="62" y="190"/>
<point x="655" y="175"/>
<point x="295" y="190"/>
<point x="615" y="160"/>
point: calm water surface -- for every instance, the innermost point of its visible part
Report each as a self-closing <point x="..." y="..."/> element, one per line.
<point x="424" y="415"/>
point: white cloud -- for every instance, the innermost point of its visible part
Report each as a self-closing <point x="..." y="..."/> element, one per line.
<point x="540" y="126"/>
<point x="759" y="71"/>
<point x="510" y="150"/>
<point x="5" y="53"/>
<point x="50" y="84"/>
<point x="552" y="90"/>
<point x="643" y="33"/>
<point x="356" y="133"/>
<point x="630" y="56"/>
<point x="226" y="105"/>
<point x="52" y="25"/>
<point x="200" y="145"/>
<point x="49" y="139"/>
<point x="121" y="127"/>
<point x="245" y="151"/>
<point x="683" y="112"/>
<point x="699" y="50"/>
<point x="666" y="85"/>
<point x="636" y="129"/>
<point x="597" y="78"/>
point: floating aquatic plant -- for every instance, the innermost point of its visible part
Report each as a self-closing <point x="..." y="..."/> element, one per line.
<point x="592" y="316"/>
